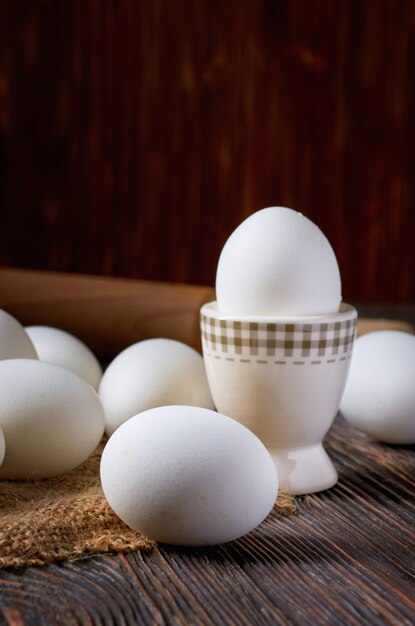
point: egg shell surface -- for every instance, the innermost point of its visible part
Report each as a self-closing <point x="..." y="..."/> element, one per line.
<point x="15" y="343"/>
<point x="152" y="373"/>
<point x="52" y="420"/>
<point x="59" y="347"/>
<point x="278" y="263"/>
<point x="379" y="397"/>
<point x="188" y="476"/>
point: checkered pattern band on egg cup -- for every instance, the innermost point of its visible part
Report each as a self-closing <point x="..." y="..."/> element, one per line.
<point x="320" y="338"/>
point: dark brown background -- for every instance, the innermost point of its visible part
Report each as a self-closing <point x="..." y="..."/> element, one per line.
<point x="135" y="135"/>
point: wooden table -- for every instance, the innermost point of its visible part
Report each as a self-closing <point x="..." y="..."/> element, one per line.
<point x="345" y="557"/>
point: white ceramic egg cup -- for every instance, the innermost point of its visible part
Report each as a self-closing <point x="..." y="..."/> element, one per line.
<point x="283" y="378"/>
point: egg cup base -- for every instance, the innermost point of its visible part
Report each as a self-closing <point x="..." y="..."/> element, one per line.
<point x="304" y="470"/>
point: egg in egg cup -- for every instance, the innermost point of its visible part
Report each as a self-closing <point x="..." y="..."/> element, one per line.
<point x="283" y="378"/>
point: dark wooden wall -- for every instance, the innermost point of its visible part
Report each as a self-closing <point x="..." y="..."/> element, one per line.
<point x="136" y="134"/>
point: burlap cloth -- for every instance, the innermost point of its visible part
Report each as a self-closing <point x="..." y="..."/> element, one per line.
<point x="67" y="518"/>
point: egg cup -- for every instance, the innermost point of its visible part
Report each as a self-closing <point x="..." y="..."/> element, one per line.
<point x="283" y="378"/>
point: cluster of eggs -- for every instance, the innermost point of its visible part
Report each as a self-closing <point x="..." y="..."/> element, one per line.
<point x="169" y="468"/>
<point x="173" y="468"/>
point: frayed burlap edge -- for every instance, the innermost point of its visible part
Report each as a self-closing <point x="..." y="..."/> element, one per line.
<point x="285" y="504"/>
<point x="62" y="518"/>
<point x="68" y="518"/>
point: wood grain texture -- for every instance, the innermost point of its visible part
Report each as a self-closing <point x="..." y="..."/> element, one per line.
<point x="345" y="558"/>
<point x="135" y="135"/>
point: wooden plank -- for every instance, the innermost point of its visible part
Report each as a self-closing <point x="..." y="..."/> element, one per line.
<point x="345" y="558"/>
<point x="136" y="135"/>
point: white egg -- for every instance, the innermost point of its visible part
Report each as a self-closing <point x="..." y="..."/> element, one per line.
<point x="379" y="397"/>
<point x="152" y="373"/>
<point x="278" y="263"/>
<point x="2" y="446"/>
<point x="52" y="420"/>
<point x="59" y="347"/>
<point x="14" y="341"/>
<point x="188" y="476"/>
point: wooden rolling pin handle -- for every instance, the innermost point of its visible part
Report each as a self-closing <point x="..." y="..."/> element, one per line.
<point x="107" y="313"/>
